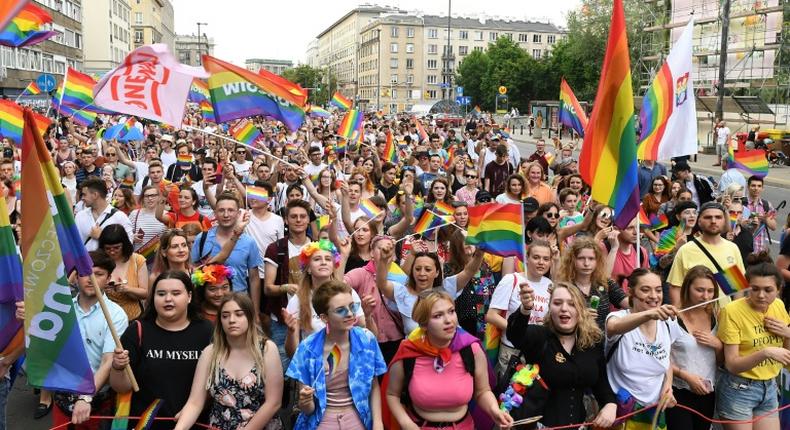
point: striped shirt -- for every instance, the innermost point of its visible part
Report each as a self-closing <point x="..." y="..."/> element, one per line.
<point x="146" y="221"/>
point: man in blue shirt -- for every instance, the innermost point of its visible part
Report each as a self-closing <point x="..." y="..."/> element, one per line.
<point x="649" y="170"/>
<point x="245" y="256"/>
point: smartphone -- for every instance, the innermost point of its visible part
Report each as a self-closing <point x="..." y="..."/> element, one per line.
<point x="218" y="178"/>
<point x="140" y="232"/>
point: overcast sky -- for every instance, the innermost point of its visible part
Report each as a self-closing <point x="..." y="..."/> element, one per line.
<point x="282" y="29"/>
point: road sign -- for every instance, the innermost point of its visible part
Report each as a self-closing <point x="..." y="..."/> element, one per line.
<point x="46" y="82"/>
<point x="461" y="100"/>
<point x="502" y="89"/>
<point x="444" y="85"/>
<point x="459" y="91"/>
<point x="468" y="100"/>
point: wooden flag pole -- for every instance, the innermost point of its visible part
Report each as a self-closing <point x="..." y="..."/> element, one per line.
<point x="106" y="312"/>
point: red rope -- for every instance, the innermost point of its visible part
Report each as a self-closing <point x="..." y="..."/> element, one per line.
<point x="110" y="417"/>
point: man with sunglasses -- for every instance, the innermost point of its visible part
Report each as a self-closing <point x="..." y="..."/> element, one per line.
<point x="241" y="165"/>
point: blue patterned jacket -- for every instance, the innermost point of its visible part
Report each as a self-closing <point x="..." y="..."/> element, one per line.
<point x="365" y="363"/>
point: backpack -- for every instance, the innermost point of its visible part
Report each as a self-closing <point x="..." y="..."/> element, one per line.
<point x="467" y="355"/>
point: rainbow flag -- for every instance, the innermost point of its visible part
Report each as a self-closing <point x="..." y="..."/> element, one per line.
<point x="430" y="221"/>
<point x="55" y="360"/>
<point x="27" y="27"/>
<point x="207" y="110"/>
<point x="492" y="338"/>
<point x="239" y="93"/>
<point x="147" y="418"/>
<point x="76" y="91"/>
<point x="32" y="88"/>
<point x="198" y="92"/>
<point x="654" y="222"/>
<point x="128" y="125"/>
<point x="322" y="222"/>
<point x="731" y="280"/>
<point x="149" y="249"/>
<point x="497" y="229"/>
<point x="389" y="150"/>
<point x="608" y="157"/>
<point x="571" y="113"/>
<point x="184" y="159"/>
<point x="369" y="208"/>
<point x="340" y="102"/>
<point x="246" y="132"/>
<point x="257" y="193"/>
<point x="669" y="238"/>
<point x="10" y="9"/>
<point x="11" y="122"/>
<point x="396" y="274"/>
<point x="351" y="126"/>
<point x="318" y="112"/>
<point x="443" y="208"/>
<point x="751" y="162"/>
<point x="80" y="116"/>
<point x="11" y="287"/>
<point x="423" y="135"/>
<point x="123" y="404"/>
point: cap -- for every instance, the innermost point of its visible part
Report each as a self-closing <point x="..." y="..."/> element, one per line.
<point x="530" y="204"/>
<point x="712" y="205"/>
<point x="681" y="206"/>
<point x="167" y="137"/>
<point x="483" y="196"/>
<point x="494" y="137"/>
<point x="681" y="166"/>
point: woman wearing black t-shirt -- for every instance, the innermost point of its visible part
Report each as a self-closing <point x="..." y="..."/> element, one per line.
<point x="162" y="348"/>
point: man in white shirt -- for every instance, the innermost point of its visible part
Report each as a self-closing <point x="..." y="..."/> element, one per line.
<point x="206" y="191"/>
<point x="168" y="155"/>
<point x="98" y="214"/>
<point x="722" y="140"/>
<point x="265" y="227"/>
<point x="315" y="166"/>
<point x="240" y="163"/>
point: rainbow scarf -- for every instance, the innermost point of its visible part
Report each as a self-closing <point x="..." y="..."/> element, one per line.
<point x="147" y="417"/>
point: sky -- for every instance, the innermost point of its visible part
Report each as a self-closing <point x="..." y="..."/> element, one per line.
<point x="282" y="29"/>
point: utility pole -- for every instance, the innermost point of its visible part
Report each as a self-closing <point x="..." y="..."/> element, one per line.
<point x="725" y="30"/>
<point x="200" y="43"/>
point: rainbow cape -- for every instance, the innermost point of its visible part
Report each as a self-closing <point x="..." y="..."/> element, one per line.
<point x="340" y="102"/>
<point x="497" y="229"/>
<point x="571" y="113"/>
<point x="608" y="156"/>
<point x="351" y="126"/>
<point x="27" y="27"/>
<point x="731" y="280"/>
<point x="55" y="360"/>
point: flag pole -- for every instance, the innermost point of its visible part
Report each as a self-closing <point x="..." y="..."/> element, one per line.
<point x="524" y="241"/>
<point x="20" y="95"/>
<point x="62" y="92"/>
<point x="103" y="304"/>
<point x="251" y="148"/>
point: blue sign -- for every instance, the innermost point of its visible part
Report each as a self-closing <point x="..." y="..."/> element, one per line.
<point x="463" y="100"/>
<point x="444" y="85"/>
<point x="459" y="91"/>
<point x="46" y="83"/>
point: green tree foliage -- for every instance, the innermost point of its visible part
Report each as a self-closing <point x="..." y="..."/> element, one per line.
<point x="470" y="75"/>
<point x="310" y="77"/>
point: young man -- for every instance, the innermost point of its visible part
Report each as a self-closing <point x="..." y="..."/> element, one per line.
<point x="155" y="176"/>
<point x="496" y="173"/>
<point x="711" y="222"/>
<point x="433" y="172"/>
<point x="168" y="154"/>
<point x="98" y="214"/>
<point x="730" y="176"/>
<point x="316" y="165"/>
<point x="540" y="156"/>
<point x="722" y="140"/>
<point x="762" y="214"/>
<point x="700" y="187"/>
<point x="181" y="171"/>
<point x="206" y="189"/>
<point x="87" y="167"/>
<point x="245" y="256"/>
<point x="265" y="227"/>
<point x="240" y="163"/>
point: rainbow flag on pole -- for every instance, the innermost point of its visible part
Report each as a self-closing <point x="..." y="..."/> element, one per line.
<point x="608" y="156"/>
<point x="731" y="280"/>
<point x="318" y="112"/>
<point x="257" y="193"/>
<point x="497" y="229"/>
<point x="10" y="9"/>
<point x="752" y="162"/>
<point x="52" y="248"/>
<point x="369" y="208"/>
<point x="245" y="131"/>
<point x="351" y="126"/>
<point x="340" y="102"/>
<point x="32" y="88"/>
<point x="389" y="149"/>
<point x="12" y="122"/>
<point x="571" y="113"/>
<point x="11" y="287"/>
<point x="27" y="27"/>
<point x="82" y="116"/>
<point x="430" y="221"/>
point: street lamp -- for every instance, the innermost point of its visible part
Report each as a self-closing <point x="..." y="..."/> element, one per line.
<point x="200" y="47"/>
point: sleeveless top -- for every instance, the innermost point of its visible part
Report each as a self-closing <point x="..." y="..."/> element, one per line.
<point x="338" y="393"/>
<point x="236" y="401"/>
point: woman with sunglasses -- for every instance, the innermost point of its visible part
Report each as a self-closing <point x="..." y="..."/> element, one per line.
<point x="128" y="284"/>
<point x="468" y="192"/>
<point x="457" y="173"/>
<point x="337" y="368"/>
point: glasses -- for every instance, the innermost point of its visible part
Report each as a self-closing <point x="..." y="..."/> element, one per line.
<point x="111" y="154"/>
<point x="552" y="215"/>
<point x="109" y="248"/>
<point x="471" y="176"/>
<point x="347" y="311"/>
<point x="241" y="152"/>
<point x="605" y="215"/>
<point x="150" y="196"/>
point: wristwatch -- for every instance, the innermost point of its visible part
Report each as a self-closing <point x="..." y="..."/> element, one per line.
<point x="85" y="398"/>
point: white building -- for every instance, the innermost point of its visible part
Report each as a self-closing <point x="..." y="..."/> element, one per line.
<point x="107" y="29"/>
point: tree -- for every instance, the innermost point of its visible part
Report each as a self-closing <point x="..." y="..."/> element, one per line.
<point x="319" y="80"/>
<point x="470" y="76"/>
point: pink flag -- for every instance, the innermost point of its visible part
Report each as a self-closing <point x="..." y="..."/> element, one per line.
<point x="150" y="84"/>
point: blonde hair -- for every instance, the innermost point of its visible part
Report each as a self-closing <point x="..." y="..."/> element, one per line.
<point x="588" y="334"/>
<point x="421" y="313"/>
<point x="305" y="295"/>
<point x="567" y="271"/>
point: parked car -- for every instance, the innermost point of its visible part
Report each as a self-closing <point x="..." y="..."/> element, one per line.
<point x="449" y="118"/>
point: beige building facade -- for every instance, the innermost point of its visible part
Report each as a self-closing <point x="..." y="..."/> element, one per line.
<point x="153" y="21"/>
<point x="107" y="29"/>
<point x="189" y="48"/>
<point x="274" y="66"/>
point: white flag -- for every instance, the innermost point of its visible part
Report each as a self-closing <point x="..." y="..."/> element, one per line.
<point x="669" y="111"/>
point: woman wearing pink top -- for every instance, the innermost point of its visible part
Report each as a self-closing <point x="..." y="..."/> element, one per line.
<point x="468" y="192"/>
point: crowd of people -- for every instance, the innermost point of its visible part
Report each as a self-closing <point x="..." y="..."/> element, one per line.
<point x="279" y="309"/>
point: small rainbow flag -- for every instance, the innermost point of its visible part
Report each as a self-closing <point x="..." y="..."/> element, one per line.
<point x="333" y="359"/>
<point x="492" y="338"/>
<point x="340" y="102"/>
<point x="430" y="221"/>
<point x="257" y="193"/>
<point x="549" y="157"/>
<point x="443" y="208"/>
<point x="369" y="208"/>
<point x="571" y="113"/>
<point x="655" y="222"/>
<point x="389" y="149"/>
<point x="753" y="162"/>
<point x="733" y="221"/>
<point x="207" y="110"/>
<point x="290" y="147"/>
<point x="32" y="88"/>
<point x="11" y="120"/>
<point x="27" y="27"/>
<point x="351" y="126"/>
<point x="147" y="417"/>
<point x="396" y="274"/>
<point x="497" y="229"/>
<point x="184" y="159"/>
<point x="149" y="249"/>
<point x="731" y="280"/>
<point x="123" y="403"/>
<point x="318" y="112"/>
<point x="322" y="222"/>
<point x="246" y="132"/>
<point x="669" y="238"/>
<point x="80" y="116"/>
<point x="342" y="144"/>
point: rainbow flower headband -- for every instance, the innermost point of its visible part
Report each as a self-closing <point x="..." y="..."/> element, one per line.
<point x="211" y="274"/>
<point x="322" y="245"/>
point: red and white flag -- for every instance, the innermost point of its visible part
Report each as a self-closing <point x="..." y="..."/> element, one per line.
<point x="149" y="84"/>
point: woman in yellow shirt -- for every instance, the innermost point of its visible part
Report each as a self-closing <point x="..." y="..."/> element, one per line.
<point x="755" y="333"/>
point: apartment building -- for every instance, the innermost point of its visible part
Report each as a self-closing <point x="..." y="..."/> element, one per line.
<point x="190" y="48"/>
<point x="107" y="27"/>
<point x="274" y="66"/>
<point x="153" y="21"/>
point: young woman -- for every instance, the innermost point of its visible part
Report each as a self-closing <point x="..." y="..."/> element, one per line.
<point x="658" y="194"/>
<point x="448" y="369"/>
<point x="755" y="331"/>
<point x="457" y="174"/>
<point x="550" y="211"/>
<point x="583" y="266"/>
<point x="69" y="180"/>
<point x="212" y="283"/>
<point x="108" y="175"/>
<point x="123" y="199"/>
<point x="145" y="226"/>
<point x="469" y="191"/>
<point x="337" y="368"/>
<point x="638" y="344"/>
<point x="439" y="191"/>
<point x="240" y="371"/>
<point x="568" y="347"/>
<point x="128" y="284"/>
<point x="513" y="190"/>
<point x="697" y="352"/>
<point x="506" y="299"/>
<point x="173" y="254"/>
<point x="360" y="243"/>
<point x="162" y="348"/>
<point x="186" y="213"/>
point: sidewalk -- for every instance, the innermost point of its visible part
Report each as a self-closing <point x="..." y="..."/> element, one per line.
<point x="701" y="163"/>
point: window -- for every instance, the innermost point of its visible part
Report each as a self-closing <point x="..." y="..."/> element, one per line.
<point x="414" y="94"/>
<point x="432" y="49"/>
<point x="138" y="18"/>
<point x="394" y="78"/>
<point x="47" y="63"/>
<point x="463" y="50"/>
<point x="60" y="67"/>
<point x="393" y="107"/>
<point x="550" y="39"/>
<point x="432" y="64"/>
<point x="509" y="36"/>
<point x="394" y="93"/>
<point x="536" y="54"/>
<point x="409" y="79"/>
<point x="410" y="32"/>
<point x="393" y="63"/>
<point x="493" y="36"/>
<point x="479" y="48"/>
<point x="463" y="34"/>
<point x="77" y="40"/>
<point x="433" y="33"/>
<point x="430" y="79"/>
<point x="536" y="38"/>
<point x="393" y="47"/>
<point x="138" y="36"/>
<point x="393" y="31"/>
<point x="409" y="48"/>
<point x="431" y="94"/>
<point x="409" y="63"/>
<point x="523" y="37"/>
<point x="478" y="35"/>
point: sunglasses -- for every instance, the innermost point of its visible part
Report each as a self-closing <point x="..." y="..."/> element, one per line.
<point x="347" y="311"/>
<point x="471" y="176"/>
<point x="551" y="215"/>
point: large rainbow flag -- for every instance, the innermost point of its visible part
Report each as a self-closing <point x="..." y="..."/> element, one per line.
<point x="351" y="126"/>
<point x="27" y="27"/>
<point x="9" y="9"/>
<point x="51" y="247"/>
<point x="11" y="287"/>
<point x="571" y="113"/>
<point x="669" y="112"/>
<point x="497" y="229"/>
<point x="608" y="156"/>
<point x="12" y="121"/>
<point x="340" y="102"/>
<point x="198" y="91"/>
<point x="240" y="93"/>
<point x="75" y="96"/>
<point x="318" y="112"/>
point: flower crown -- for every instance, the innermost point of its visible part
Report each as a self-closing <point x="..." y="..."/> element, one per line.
<point x="211" y="274"/>
<point x="321" y="245"/>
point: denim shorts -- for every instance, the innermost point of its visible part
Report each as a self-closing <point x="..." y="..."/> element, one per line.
<point x="740" y="398"/>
